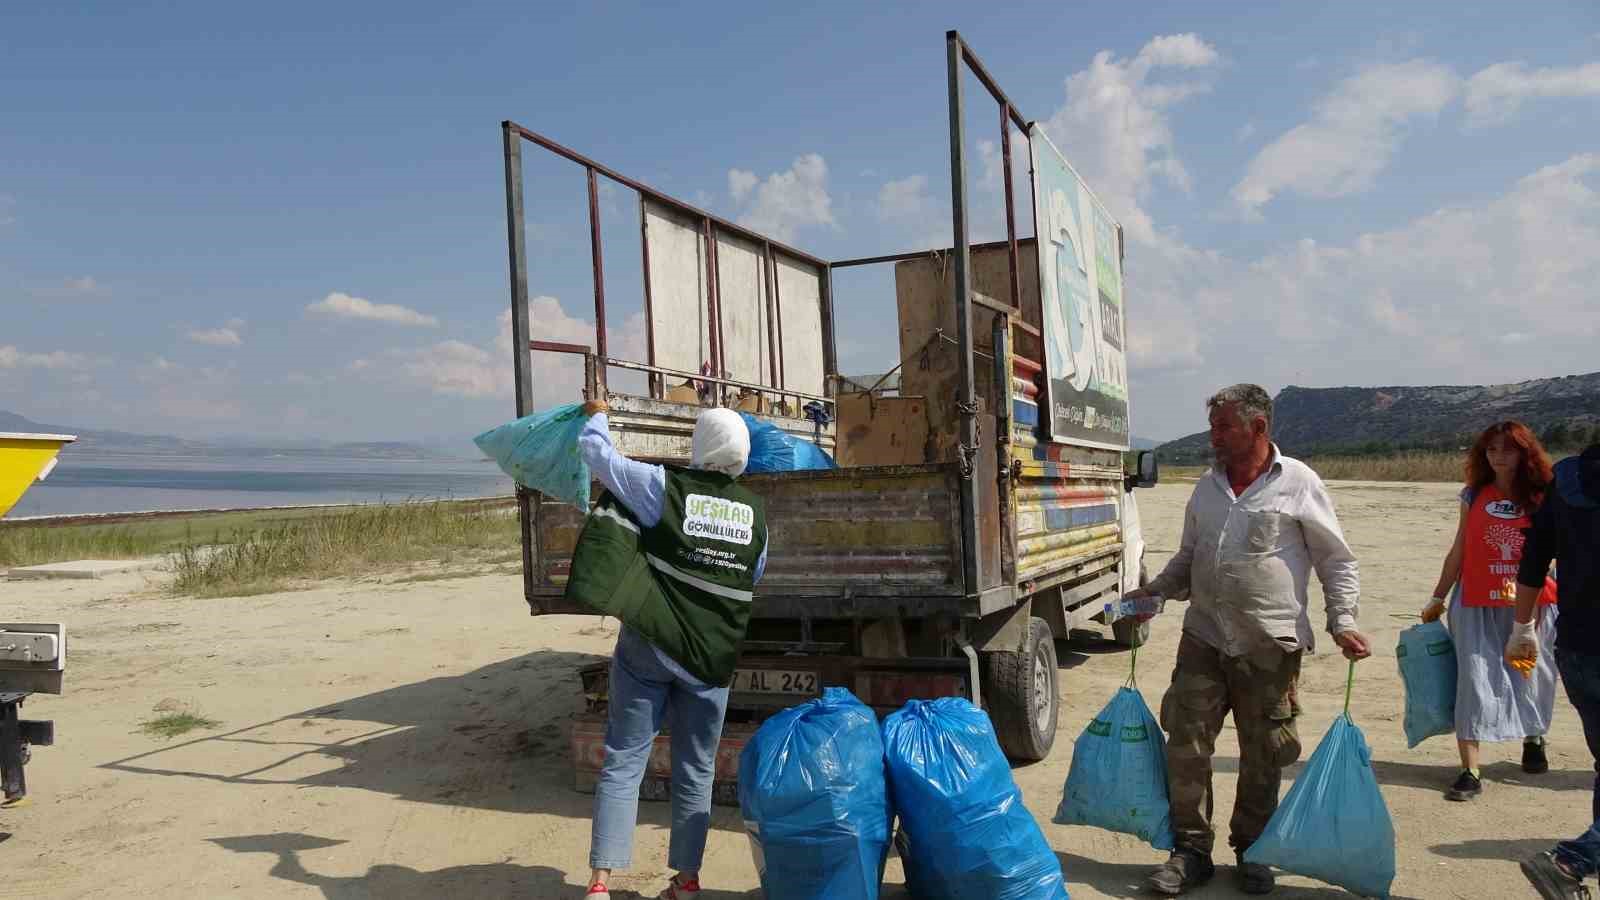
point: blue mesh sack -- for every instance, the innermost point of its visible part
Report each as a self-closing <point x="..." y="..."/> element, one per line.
<point x="774" y="450"/>
<point x="1427" y="659"/>
<point x="1118" y="779"/>
<point x="964" y="832"/>
<point x="815" y="802"/>
<point x="1333" y="825"/>
<point x="540" y="452"/>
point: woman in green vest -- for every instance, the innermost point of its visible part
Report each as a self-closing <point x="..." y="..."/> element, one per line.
<point x="674" y="554"/>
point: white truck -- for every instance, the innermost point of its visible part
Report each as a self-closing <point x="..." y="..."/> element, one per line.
<point x="981" y="508"/>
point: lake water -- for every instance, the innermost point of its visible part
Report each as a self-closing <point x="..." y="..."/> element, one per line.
<point x="103" y="482"/>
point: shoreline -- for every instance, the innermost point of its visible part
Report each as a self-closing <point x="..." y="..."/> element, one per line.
<point x="112" y="518"/>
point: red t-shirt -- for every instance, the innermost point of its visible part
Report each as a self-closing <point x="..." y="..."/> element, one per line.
<point x="1493" y="550"/>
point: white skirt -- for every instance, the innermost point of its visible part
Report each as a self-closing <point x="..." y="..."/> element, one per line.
<point x="1493" y="701"/>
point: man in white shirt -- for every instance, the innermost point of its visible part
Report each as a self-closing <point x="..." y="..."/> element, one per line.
<point x="1256" y="527"/>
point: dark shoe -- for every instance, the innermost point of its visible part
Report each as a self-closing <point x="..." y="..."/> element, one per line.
<point x="1184" y="869"/>
<point x="1254" y="878"/>
<point x="1534" y="761"/>
<point x="1467" y="787"/>
<point x="1550" y="880"/>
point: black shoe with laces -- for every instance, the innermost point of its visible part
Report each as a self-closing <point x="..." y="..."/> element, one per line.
<point x="1467" y="787"/>
<point x="1184" y="869"/>
<point x="1534" y="762"/>
<point x="1550" y="880"/>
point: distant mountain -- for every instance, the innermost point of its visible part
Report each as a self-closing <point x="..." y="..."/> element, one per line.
<point x="1140" y="443"/>
<point x="1308" y="421"/>
<point x="129" y="442"/>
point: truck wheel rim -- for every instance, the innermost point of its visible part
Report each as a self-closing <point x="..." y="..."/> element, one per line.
<point x="1041" y="693"/>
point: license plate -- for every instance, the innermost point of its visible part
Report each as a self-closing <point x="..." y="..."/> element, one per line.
<point x="775" y="681"/>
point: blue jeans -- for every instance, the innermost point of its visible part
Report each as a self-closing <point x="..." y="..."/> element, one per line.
<point x="645" y="689"/>
<point x="1580" y="672"/>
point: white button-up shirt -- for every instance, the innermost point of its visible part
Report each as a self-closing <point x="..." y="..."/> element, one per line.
<point x="1246" y="560"/>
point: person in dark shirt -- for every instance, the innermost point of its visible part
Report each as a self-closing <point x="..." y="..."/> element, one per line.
<point x="1566" y="531"/>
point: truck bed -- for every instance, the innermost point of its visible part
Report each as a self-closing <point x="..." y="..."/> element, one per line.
<point x="853" y="543"/>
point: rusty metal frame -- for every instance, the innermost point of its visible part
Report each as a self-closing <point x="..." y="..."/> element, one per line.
<point x="710" y="226"/>
<point x="959" y="59"/>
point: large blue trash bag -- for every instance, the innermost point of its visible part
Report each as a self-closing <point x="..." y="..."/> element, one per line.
<point x="1333" y="825"/>
<point x="964" y="833"/>
<point x="774" y="450"/>
<point x="815" y="803"/>
<point x="1427" y="659"/>
<point x="1118" y="779"/>
<point x="540" y="452"/>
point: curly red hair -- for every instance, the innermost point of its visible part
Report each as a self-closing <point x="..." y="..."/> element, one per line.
<point x="1533" y="475"/>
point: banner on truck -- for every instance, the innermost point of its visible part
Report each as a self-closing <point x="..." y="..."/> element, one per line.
<point x="1080" y="290"/>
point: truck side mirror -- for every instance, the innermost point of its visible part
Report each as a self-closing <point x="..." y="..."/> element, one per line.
<point x="1149" y="470"/>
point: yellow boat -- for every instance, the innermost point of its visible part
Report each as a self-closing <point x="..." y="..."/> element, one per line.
<point x="24" y="459"/>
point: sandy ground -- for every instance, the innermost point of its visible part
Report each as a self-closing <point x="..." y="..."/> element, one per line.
<point x="408" y="741"/>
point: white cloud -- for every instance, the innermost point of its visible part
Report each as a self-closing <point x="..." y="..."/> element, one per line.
<point x="217" y="337"/>
<point x="1114" y="124"/>
<point x="1185" y="51"/>
<point x="741" y="183"/>
<point x="463" y="369"/>
<point x="905" y="200"/>
<point x="1416" y="304"/>
<point x="1495" y="93"/>
<point x="81" y="286"/>
<point x="344" y="306"/>
<point x="206" y="394"/>
<point x="785" y="201"/>
<point x="13" y="358"/>
<point x="1486" y="294"/>
<point x="1351" y="136"/>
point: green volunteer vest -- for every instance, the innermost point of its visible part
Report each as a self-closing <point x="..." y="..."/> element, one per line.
<point x="684" y="584"/>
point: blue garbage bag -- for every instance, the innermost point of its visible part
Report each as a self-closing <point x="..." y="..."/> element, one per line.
<point x="1118" y="779"/>
<point x="1333" y="825"/>
<point x="815" y="802"/>
<point x="964" y="833"/>
<point x="774" y="450"/>
<point x="540" y="452"/>
<point x="1427" y="659"/>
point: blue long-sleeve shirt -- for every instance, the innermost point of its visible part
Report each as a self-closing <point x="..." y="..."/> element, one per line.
<point x="641" y="487"/>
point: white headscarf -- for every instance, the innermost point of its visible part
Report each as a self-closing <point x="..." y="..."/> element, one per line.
<point x="721" y="442"/>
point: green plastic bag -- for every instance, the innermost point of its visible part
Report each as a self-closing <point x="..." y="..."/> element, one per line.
<point x="540" y="452"/>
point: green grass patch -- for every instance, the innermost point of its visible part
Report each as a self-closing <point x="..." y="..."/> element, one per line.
<point x="132" y="537"/>
<point x="176" y="724"/>
<point x="1407" y="465"/>
<point x="352" y="542"/>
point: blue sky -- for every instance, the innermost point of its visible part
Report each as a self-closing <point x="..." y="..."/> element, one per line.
<point x="290" y="223"/>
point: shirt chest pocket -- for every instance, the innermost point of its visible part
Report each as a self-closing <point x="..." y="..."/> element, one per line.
<point x="1264" y="529"/>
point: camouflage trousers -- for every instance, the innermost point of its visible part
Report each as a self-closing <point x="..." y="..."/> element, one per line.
<point x="1259" y="689"/>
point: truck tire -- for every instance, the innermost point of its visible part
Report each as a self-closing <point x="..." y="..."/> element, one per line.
<point x="1129" y="632"/>
<point x="1022" y="695"/>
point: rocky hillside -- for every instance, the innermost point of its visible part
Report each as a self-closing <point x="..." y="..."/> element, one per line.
<point x="1349" y="419"/>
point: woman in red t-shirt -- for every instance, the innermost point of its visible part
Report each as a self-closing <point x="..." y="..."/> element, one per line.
<point x="1507" y="474"/>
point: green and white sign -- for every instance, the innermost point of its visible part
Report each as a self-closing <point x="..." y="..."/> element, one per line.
<point x="1085" y="400"/>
